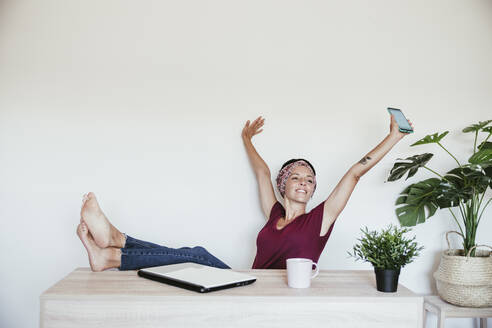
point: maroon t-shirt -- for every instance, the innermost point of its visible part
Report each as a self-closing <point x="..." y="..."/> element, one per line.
<point x="300" y="238"/>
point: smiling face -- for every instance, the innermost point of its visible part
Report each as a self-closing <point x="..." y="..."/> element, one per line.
<point x="299" y="187"/>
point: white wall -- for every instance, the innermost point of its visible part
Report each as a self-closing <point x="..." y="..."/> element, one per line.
<point x="143" y="102"/>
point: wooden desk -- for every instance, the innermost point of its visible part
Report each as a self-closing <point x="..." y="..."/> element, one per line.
<point x="122" y="299"/>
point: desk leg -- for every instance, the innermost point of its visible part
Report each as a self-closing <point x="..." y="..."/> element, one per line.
<point x="441" y="318"/>
<point x="424" y="318"/>
<point x="483" y="322"/>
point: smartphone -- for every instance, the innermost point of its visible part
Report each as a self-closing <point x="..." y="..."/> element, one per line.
<point x="401" y="120"/>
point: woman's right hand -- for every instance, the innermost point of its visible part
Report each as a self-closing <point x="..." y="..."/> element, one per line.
<point x="253" y="128"/>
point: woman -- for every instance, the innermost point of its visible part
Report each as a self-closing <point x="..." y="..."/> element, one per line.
<point x="289" y="231"/>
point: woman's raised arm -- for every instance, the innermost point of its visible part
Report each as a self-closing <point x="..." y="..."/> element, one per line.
<point x="339" y="197"/>
<point x="260" y="168"/>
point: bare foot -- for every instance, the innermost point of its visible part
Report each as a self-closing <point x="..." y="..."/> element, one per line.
<point x="99" y="259"/>
<point x="103" y="232"/>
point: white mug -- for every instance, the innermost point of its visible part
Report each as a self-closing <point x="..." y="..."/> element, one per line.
<point x="299" y="272"/>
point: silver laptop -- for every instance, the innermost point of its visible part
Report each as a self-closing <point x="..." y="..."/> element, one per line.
<point x="197" y="277"/>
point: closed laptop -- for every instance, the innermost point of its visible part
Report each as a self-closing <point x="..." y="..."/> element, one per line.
<point x="197" y="277"/>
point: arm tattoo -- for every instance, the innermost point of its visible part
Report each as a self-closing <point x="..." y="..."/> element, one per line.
<point x="364" y="160"/>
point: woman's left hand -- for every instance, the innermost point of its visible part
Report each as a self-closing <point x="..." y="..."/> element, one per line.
<point x="394" y="128"/>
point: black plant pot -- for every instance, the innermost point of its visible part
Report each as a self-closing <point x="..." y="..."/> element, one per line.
<point x="387" y="280"/>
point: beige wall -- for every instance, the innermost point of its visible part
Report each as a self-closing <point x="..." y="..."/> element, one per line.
<point x="143" y="102"/>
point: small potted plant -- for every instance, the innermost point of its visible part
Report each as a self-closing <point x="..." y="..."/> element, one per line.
<point x="388" y="251"/>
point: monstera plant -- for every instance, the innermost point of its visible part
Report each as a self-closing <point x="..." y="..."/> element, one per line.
<point x="460" y="190"/>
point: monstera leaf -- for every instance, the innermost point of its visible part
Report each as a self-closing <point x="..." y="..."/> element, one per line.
<point x="487" y="129"/>
<point x="410" y="165"/>
<point x="486" y="144"/>
<point x="460" y="184"/>
<point x="450" y="196"/>
<point x="476" y="179"/>
<point x="430" y="138"/>
<point x="482" y="158"/>
<point x="487" y="168"/>
<point x="476" y="127"/>
<point x="416" y="199"/>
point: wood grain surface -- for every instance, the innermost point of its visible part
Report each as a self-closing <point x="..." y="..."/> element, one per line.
<point x="122" y="299"/>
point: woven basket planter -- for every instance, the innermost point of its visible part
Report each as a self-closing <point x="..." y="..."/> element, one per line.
<point x="463" y="280"/>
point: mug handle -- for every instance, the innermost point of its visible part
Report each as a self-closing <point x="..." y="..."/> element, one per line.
<point x="316" y="271"/>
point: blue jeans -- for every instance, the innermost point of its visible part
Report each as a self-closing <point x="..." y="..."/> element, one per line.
<point x="138" y="254"/>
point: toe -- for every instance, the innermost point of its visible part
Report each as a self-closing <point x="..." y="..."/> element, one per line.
<point x="84" y="199"/>
<point x="79" y="230"/>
